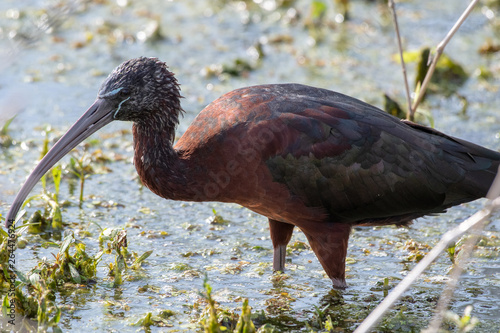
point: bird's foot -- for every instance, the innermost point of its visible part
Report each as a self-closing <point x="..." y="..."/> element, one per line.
<point x="339" y="283"/>
<point x="281" y="233"/>
<point x="279" y="258"/>
<point x="329" y="243"/>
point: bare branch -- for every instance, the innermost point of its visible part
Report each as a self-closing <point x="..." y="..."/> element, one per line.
<point x="475" y="220"/>
<point x="392" y="6"/>
<point x="446" y="239"/>
<point x="455" y="274"/>
<point x="439" y="51"/>
<point x="466" y="252"/>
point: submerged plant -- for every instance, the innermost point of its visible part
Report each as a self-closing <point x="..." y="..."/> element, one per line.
<point x="37" y="303"/>
<point x="115" y="241"/>
<point x="465" y="323"/>
<point x="447" y="78"/>
<point x="51" y="218"/>
<point x="79" y="267"/>
<point x="210" y="323"/>
<point x="216" y="219"/>
<point x="35" y="292"/>
<point x="245" y="324"/>
<point x="214" y="320"/>
<point x="9" y="242"/>
<point x="5" y="138"/>
<point x="159" y="320"/>
<point x="81" y="168"/>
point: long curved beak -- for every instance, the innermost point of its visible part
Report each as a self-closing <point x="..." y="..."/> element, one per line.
<point x="97" y="116"/>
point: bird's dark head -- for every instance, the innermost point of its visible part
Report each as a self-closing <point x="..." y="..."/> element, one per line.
<point x="140" y="89"/>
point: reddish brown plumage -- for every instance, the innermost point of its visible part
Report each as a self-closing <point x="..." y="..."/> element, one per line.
<point x="301" y="156"/>
<point x="225" y="156"/>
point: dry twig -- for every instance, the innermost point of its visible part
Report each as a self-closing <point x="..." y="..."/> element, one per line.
<point x="446" y="239"/>
<point x="467" y="249"/>
<point x="475" y="221"/>
<point x="392" y="6"/>
<point x="455" y="274"/>
<point x="439" y="51"/>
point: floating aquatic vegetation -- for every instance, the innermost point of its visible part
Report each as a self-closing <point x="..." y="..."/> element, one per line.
<point x="5" y="138"/>
<point x="35" y="292"/>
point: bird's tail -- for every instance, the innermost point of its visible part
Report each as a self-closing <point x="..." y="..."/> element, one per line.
<point x="481" y="166"/>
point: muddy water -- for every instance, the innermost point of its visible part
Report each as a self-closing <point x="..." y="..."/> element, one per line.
<point x="54" y="56"/>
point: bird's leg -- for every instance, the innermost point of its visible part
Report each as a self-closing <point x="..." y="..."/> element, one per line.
<point x="280" y="235"/>
<point x="329" y="243"/>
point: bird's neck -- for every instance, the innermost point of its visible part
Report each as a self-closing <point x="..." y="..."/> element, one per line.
<point x="160" y="167"/>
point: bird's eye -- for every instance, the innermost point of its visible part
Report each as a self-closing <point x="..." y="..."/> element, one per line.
<point x="125" y="92"/>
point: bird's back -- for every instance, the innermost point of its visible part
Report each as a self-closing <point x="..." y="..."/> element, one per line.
<point x="335" y="154"/>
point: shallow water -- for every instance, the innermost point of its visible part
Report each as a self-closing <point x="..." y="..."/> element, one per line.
<point x="51" y="75"/>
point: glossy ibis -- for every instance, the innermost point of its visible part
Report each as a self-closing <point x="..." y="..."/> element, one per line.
<point x="301" y="156"/>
